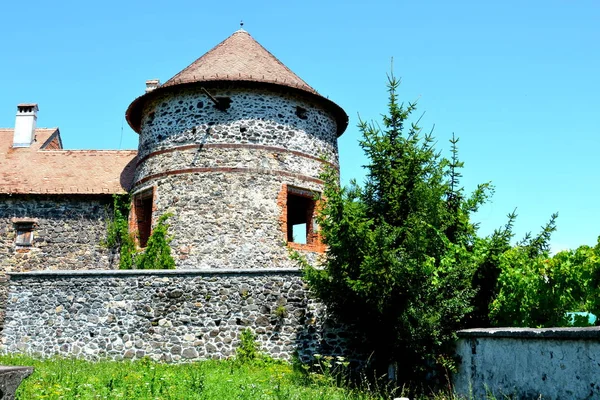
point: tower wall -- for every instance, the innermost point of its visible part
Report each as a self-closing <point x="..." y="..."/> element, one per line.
<point x="224" y="174"/>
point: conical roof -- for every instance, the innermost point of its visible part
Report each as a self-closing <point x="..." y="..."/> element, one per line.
<point x="239" y="58"/>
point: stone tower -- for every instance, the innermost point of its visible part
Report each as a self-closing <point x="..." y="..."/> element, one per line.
<point x="233" y="146"/>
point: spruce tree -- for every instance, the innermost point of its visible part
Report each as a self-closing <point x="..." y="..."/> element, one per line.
<point x="402" y="250"/>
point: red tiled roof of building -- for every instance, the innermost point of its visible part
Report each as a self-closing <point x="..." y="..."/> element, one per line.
<point x="239" y="58"/>
<point x="33" y="170"/>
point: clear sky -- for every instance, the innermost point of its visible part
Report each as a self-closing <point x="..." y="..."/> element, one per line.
<point x="517" y="81"/>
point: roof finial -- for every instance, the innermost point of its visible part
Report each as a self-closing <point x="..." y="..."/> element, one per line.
<point x="241" y="27"/>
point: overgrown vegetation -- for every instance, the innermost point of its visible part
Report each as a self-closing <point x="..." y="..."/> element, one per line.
<point x="156" y="255"/>
<point x="406" y="268"/>
<point x="247" y="350"/>
<point x="60" y="378"/>
<point x="537" y="290"/>
<point x="117" y="231"/>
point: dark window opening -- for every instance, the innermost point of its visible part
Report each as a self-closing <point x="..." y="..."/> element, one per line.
<point x="223" y="103"/>
<point x="301" y="112"/>
<point x="143" y="216"/>
<point x="151" y="118"/>
<point x="24" y="237"/>
<point x="300" y="216"/>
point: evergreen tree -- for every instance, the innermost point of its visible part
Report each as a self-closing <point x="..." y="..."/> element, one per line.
<point x="402" y="250"/>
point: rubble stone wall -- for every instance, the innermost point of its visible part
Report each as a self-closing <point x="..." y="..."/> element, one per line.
<point x="220" y="173"/>
<point x="67" y="232"/>
<point x="170" y="316"/>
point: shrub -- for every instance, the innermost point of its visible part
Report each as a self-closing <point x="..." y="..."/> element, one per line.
<point x="537" y="290"/>
<point x="157" y="254"/>
<point x="247" y="350"/>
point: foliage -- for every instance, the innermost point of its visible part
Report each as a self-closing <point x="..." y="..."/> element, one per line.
<point x="281" y="312"/>
<point x="117" y="231"/>
<point x="157" y="254"/>
<point x="487" y="272"/>
<point x="248" y="349"/>
<point x="402" y="250"/>
<point x="537" y="290"/>
<point x="60" y="378"/>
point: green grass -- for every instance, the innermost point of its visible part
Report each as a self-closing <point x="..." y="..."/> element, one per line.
<point x="263" y="378"/>
<point x="60" y="378"/>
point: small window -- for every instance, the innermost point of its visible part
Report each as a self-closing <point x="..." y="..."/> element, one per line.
<point x="24" y="234"/>
<point x="301" y="112"/>
<point x="143" y="203"/>
<point x="301" y="225"/>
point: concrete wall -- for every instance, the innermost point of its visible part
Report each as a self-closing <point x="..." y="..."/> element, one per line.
<point x="523" y="363"/>
<point x="165" y="315"/>
<point x="67" y="232"/>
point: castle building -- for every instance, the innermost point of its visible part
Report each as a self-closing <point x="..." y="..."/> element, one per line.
<point x="54" y="203"/>
<point x="232" y="148"/>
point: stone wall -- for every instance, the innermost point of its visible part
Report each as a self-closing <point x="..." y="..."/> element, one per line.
<point x="165" y="315"/>
<point x="222" y="173"/>
<point x="67" y="232"/>
<point x="255" y="116"/>
<point x="523" y="363"/>
<point x="223" y="220"/>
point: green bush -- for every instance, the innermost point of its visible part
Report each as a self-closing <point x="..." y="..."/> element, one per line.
<point x="537" y="290"/>
<point x="248" y="349"/>
<point x="157" y="254"/>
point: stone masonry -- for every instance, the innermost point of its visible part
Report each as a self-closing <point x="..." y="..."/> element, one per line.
<point x="165" y="315"/>
<point x="232" y="147"/>
<point x="67" y="232"/>
<point x="220" y="172"/>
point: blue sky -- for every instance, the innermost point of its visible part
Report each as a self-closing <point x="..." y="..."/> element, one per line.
<point x="517" y="81"/>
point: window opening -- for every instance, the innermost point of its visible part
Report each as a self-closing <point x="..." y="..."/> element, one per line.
<point x="301" y="112"/>
<point x="300" y="216"/>
<point x="143" y="216"/>
<point x="24" y="237"/>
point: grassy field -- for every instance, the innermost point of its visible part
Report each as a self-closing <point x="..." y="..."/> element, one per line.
<point x="77" y="379"/>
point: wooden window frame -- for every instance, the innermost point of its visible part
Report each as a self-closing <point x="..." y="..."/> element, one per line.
<point x="24" y="232"/>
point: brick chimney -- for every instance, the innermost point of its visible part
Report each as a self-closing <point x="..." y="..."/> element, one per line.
<point x="152" y="84"/>
<point x="25" y="125"/>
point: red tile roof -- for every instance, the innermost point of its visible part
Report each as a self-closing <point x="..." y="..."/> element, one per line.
<point x="37" y="170"/>
<point x="239" y="58"/>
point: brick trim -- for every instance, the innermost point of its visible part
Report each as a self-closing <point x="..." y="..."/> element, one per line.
<point x="235" y="146"/>
<point x="228" y="169"/>
<point x="132" y="220"/>
<point x="315" y="242"/>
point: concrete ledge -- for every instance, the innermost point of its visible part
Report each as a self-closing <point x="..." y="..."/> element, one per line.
<point x="589" y="333"/>
<point x="152" y="272"/>
<point x="526" y="363"/>
<point x="10" y="379"/>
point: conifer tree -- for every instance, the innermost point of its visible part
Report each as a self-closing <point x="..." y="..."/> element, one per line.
<point x="402" y="250"/>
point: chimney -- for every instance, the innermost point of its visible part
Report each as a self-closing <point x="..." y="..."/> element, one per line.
<point x="25" y="125"/>
<point x="152" y="84"/>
